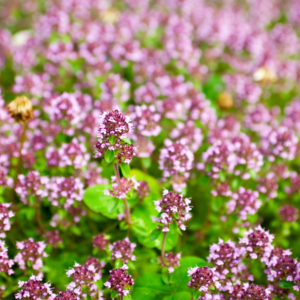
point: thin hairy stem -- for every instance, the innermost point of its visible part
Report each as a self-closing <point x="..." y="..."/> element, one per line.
<point x="127" y="209"/>
<point x="163" y="248"/>
<point x="19" y="162"/>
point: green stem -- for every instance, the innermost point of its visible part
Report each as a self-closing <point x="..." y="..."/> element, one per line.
<point x="163" y="248"/>
<point x="127" y="209"/>
<point x="38" y="218"/>
<point x="19" y="163"/>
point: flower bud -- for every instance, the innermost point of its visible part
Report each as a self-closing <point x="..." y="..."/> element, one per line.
<point x="21" y="109"/>
<point x="225" y="100"/>
<point x="264" y="75"/>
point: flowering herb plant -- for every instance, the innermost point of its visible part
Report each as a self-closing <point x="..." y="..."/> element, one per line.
<point x="149" y="150"/>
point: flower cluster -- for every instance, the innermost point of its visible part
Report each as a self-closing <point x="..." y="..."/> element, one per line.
<point x="71" y="154"/>
<point x="120" y="281"/>
<point x="171" y="261"/>
<point x="100" y="242"/>
<point x="143" y="189"/>
<point x="172" y="208"/>
<point x="5" y="214"/>
<point x="30" y="254"/>
<point x="84" y="277"/>
<point x="122" y="188"/>
<point x="113" y="129"/>
<point x="32" y="185"/>
<point x="65" y="191"/>
<point x="5" y="262"/>
<point x="288" y="213"/>
<point x="123" y="250"/>
<point x="279" y="143"/>
<point x="146" y="120"/>
<point x="53" y="238"/>
<point x="34" y="289"/>
<point x="232" y="274"/>
<point x="202" y="279"/>
<point x="244" y="202"/>
<point x="175" y="161"/>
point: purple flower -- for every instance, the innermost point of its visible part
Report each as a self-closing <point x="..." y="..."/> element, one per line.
<point x="120" y="191"/>
<point x="258" y="243"/>
<point x="67" y="295"/>
<point x="143" y="189"/>
<point x="255" y="292"/>
<point x="84" y="279"/>
<point x="34" y="289"/>
<point x="172" y="207"/>
<point x="226" y="256"/>
<point x="120" y="281"/>
<point x="171" y="261"/>
<point x="244" y="202"/>
<point x="188" y="134"/>
<point x="32" y="184"/>
<point x="53" y="238"/>
<point x="146" y="120"/>
<point x="5" y="214"/>
<point x="123" y="250"/>
<point x="65" y="191"/>
<point x="72" y="154"/>
<point x="279" y="143"/>
<point x="175" y="161"/>
<point x="30" y="254"/>
<point x="113" y="129"/>
<point x="288" y="213"/>
<point x="5" y="262"/>
<point x="100" y="242"/>
<point x="203" y="279"/>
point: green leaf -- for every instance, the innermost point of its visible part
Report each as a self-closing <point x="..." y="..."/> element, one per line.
<point x="155" y="234"/>
<point x="112" y="139"/>
<point x="150" y="287"/>
<point x="142" y="224"/>
<point x="146" y="161"/>
<point x="126" y="140"/>
<point x="252" y="173"/>
<point x="179" y="296"/>
<point x="109" y="156"/>
<point x="171" y="241"/>
<point x="176" y="215"/>
<point x="125" y="169"/>
<point x="128" y="297"/>
<point x="155" y="190"/>
<point x="222" y="176"/>
<point x="114" y="295"/>
<point x="173" y="227"/>
<point x="98" y="202"/>
<point x="118" y="264"/>
<point x="235" y="184"/>
<point x="181" y="279"/>
<point x="286" y="284"/>
<point x="112" y="205"/>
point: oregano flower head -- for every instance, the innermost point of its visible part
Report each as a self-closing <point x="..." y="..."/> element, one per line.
<point x="203" y="278"/>
<point x="120" y="281"/>
<point x="113" y="142"/>
<point x="34" y="289"/>
<point x="172" y="208"/>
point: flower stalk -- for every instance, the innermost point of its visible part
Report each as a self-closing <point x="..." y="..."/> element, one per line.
<point x="118" y="179"/>
<point x="163" y="248"/>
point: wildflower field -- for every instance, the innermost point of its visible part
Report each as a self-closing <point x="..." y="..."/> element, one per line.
<point x="149" y="149"/>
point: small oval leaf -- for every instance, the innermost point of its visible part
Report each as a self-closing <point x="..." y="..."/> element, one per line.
<point x="286" y="284"/>
<point x="155" y="234"/>
<point x="125" y="169"/>
<point x="109" y="156"/>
